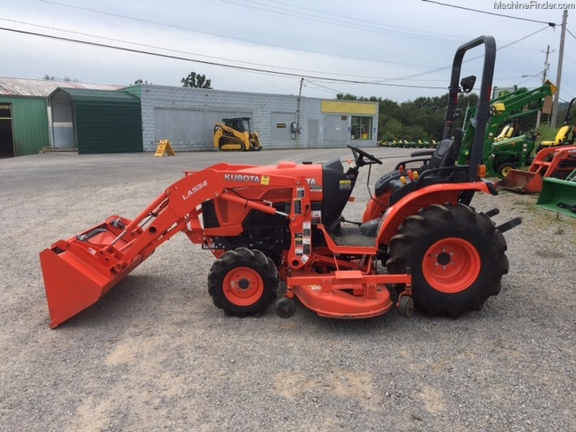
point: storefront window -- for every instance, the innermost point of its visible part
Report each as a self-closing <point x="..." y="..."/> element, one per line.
<point x="361" y="128"/>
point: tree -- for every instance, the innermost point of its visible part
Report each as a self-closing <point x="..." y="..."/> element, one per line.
<point x="47" y="77"/>
<point x="139" y="81"/>
<point x="346" y="96"/>
<point x="390" y="129"/>
<point x="196" y="80"/>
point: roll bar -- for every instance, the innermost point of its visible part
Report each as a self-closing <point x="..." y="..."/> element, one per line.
<point x="483" y="112"/>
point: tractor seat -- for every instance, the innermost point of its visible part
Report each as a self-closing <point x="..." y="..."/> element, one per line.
<point x="445" y="155"/>
<point x="505" y="133"/>
<point x="383" y="183"/>
<point x="561" y="136"/>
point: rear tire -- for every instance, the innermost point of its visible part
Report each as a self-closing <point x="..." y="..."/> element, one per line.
<point x="243" y="282"/>
<point x="456" y="256"/>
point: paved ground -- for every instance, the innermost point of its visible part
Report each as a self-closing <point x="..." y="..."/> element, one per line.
<point x="156" y="354"/>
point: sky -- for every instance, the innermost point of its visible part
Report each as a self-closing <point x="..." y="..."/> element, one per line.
<point x="398" y="50"/>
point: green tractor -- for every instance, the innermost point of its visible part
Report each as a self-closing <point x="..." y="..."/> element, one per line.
<point x="520" y="151"/>
<point x="509" y="152"/>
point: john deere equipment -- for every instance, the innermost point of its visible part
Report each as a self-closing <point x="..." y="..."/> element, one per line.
<point x="266" y="223"/>
<point x="510" y="153"/>
<point x="506" y="132"/>
<point x="566" y="134"/>
<point x="505" y="110"/>
<point x="236" y="134"/>
<point x="559" y="195"/>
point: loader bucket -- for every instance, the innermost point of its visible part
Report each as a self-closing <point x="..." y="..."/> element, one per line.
<point x="558" y="196"/>
<point x="522" y="181"/>
<point x="79" y="271"/>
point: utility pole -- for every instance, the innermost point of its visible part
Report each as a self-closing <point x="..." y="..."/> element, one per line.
<point x="299" y="97"/>
<point x="295" y="133"/>
<point x="559" y="76"/>
<point x="546" y="66"/>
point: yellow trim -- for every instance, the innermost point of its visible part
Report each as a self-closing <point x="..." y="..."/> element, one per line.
<point x="349" y="107"/>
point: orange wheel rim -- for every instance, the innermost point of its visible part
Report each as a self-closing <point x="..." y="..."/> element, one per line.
<point x="451" y="265"/>
<point x="243" y="286"/>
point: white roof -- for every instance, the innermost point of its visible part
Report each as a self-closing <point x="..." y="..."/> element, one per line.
<point x="43" y="88"/>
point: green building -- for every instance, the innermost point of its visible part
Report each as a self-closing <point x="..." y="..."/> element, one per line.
<point x="26" y="117"/>
<point x="95" y="121"/>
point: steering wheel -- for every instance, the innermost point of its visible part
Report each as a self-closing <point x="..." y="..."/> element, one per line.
<point x="363" y="154"/>
<point x="533" y="135"/>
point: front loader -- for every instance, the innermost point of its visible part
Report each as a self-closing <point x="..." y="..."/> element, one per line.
<point x="550" y="162"/>
<point x="559" y="195"/>
<point x="421" y="244"/>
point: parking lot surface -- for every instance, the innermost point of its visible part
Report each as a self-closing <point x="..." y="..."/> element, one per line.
<point x="155" y="354"/>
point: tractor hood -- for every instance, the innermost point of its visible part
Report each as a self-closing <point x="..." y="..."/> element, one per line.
<point x="311" y="172"/>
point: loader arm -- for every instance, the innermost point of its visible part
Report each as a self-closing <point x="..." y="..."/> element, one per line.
<point x="79" y="271"/>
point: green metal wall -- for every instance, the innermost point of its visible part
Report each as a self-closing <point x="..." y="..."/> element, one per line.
<point x="108" y="127"/>
<point x="29" y="124"/>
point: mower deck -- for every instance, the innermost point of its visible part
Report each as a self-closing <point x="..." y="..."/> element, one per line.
<point x="345" y="294"/>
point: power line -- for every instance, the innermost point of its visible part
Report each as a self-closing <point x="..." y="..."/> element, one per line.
<point x="201" y="55"/>
<point x="212" y="63"/>
<point x="326" y="20"/>
<point x="146" y="21"/>
<point x="262" y="43"/>
<point x="322" y="87"/>
<point x="531" y="77"/>
<point x="363" y="21"/>
<point x="173" y="50"/>
<point x="550" y="24"/>
<point x="419" y="74"/>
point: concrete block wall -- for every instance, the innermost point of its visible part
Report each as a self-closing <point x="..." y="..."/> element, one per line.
<point x="259" y="106"/>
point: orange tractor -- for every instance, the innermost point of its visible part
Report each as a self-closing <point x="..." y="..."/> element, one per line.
<point x="265" y="224"/>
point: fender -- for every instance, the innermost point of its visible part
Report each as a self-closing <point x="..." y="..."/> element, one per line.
<point x="414" y="201"/>
<point x="375" y="207"/>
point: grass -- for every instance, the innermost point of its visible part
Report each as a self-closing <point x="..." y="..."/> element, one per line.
<point x="560" y="230"/>
<point x="546" y="133"/>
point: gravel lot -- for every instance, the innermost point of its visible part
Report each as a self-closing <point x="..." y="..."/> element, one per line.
<point x="156" y="354"/>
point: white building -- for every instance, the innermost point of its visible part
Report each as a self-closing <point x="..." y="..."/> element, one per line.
<point x="186" y="117"/>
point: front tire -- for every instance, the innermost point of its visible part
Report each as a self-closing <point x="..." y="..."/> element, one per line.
<point x="457" y="258"/>
<point x="243" y="282"/>
<point x="504" y="169"/>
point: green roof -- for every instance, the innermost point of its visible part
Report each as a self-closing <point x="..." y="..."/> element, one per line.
<point x="84" y="95"/>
